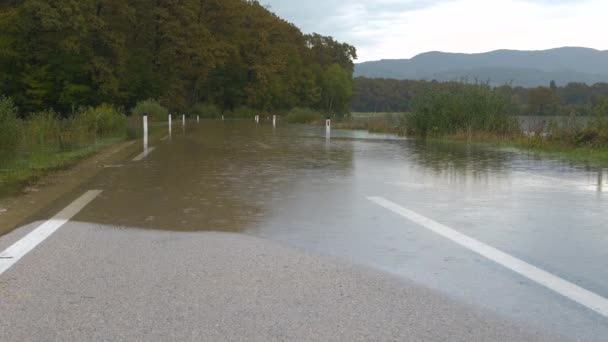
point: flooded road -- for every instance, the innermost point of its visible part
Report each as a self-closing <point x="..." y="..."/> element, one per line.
<point x="296" y="186"/>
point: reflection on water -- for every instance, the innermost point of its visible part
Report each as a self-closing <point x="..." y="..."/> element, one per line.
<point x="232" y="175"/>
<point x="302" y="187"/>
<point x="216" y="176"/>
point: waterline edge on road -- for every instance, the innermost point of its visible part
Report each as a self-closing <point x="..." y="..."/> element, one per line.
<point x="561" y="286"/>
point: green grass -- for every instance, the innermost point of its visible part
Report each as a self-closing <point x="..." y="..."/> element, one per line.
<point x="304" y="116"/>
<point x="582" y="155"/>
<point x="26" y="169"/>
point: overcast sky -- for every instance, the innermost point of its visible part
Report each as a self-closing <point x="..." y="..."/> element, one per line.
<point x="404" y="28"/>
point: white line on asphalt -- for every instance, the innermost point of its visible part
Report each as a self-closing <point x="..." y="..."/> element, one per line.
<point x="123" y="147"/>
<point x="14" y="253"/>
<point x="565" y="288"/>
<point x="144" y="154"/>
<point x="262" y="145"/>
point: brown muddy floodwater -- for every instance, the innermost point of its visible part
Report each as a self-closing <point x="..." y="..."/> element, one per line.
<point x="297" y="186"/>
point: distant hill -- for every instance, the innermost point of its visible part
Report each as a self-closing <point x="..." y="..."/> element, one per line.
<point x="521" y="68"/>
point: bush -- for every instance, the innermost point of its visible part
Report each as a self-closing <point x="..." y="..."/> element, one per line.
<point x="303" y="115"/>
<point x="205" y="110"/>
<point x="242" y="113"/>
<point x="104" y="120"/>
<point x="41" y="130"/>
<point x="453" y="108"/>
<point x="154" y="109"/>
<point x="9" y="126"/>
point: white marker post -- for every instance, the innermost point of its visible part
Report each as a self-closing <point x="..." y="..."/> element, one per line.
<point x="328" y="126"/>
<point x="198" y="119"/>
<point x="170" y="126"/>
<point x="184" y="120"/>
<point x="145" y="131"/>
<point x="274" y="121"/>
<point x="257" y="119"/>
<point x="222" y="118"/>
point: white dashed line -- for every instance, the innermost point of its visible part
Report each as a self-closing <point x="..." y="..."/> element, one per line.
<point x="20" y="248"/>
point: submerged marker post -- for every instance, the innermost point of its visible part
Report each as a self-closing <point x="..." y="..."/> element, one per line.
<point x="145" y="119"/>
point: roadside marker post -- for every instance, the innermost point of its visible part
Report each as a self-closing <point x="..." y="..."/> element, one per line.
<point x="198" y="119"/>
<point x="222" y="118"/>
<point x="274" y="121"/>
<point x="145" y="131"/>
<point x="257" y="119"/>
<point x="328" y="125"/>
<point x="184" y="120"/>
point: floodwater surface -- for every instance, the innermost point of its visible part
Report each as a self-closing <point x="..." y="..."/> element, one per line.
<point x="296" y="185"/>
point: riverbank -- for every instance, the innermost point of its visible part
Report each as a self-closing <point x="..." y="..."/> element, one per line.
<point x="540" y="145"/>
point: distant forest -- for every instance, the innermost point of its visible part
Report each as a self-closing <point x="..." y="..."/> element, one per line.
<point x="63" y="54"/>
<point x="388" y="95"/>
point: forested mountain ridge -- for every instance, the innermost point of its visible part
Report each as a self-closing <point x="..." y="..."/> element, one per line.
<point x="520" y="68"/>
<point x="68" y="53"/>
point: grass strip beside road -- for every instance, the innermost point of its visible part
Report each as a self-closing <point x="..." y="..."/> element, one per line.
<point x="18" y="173"/>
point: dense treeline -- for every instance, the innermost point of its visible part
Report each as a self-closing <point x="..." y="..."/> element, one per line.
<point x="387" y="95"/>
<point x="64" y="54"/>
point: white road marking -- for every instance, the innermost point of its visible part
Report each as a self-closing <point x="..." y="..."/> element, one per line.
<point x="563" y="287"/>
<point x="262" y="145"/>
<point x="19" y="249"/>
<point x="144" y="154"/>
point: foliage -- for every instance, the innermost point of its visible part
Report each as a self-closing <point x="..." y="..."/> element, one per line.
<point x="452" y="108"/>
<point x="151" y="107"/>
<point x="103" y="120"/>
<point x="303" y="115"/>
<point x="46" y="141"/>
<point x="205" y="110"/>
<point x="41" y="131"/>
<point x="65" y="54"/>
<point x="243" y="112"/>
<point x="9" y="134"/>
<point x="338" y="87"/>
<point x="386" y="95"/>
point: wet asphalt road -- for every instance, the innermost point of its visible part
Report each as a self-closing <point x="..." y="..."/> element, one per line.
<point x="139" y="262"/>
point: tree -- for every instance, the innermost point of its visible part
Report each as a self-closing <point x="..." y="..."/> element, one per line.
<point x="337" y="89"/>
<point x="66" y="53"/>
<point x="542" y="101"/>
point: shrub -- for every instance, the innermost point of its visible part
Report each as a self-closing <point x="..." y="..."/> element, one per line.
<point x="154" y="109"/>
<point x="243" y="112"/>
<point x="452" y="108"/>
<point x="303" y="115"/>
<point x="205" y="110"/>
<point x="42" y="130"/>
<point x="9" y="126"/>
<point x="104" y="120"/>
